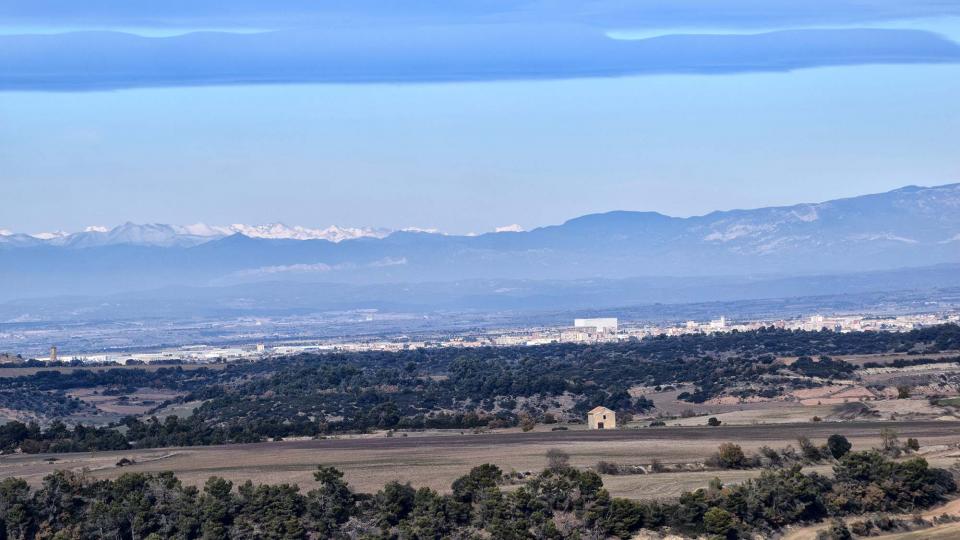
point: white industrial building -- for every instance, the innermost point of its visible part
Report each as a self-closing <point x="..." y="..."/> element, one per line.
<point x="599" y="325"/>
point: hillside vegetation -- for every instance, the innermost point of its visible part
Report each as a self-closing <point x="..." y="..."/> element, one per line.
<point x="311" y="395"/>
<point x="560" y="503"/>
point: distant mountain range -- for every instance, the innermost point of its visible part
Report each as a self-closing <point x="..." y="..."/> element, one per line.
<point x="911" y="226"/>
<point x="162" y="235"/>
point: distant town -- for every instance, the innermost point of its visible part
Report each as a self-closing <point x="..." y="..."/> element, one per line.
<point x="582" y="330"/>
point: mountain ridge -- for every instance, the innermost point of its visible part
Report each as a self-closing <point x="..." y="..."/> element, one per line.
<point x="919" y="225"/>
<point x="198" y="233"/>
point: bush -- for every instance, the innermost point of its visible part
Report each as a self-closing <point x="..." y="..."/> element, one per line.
<point x="714" y="421"/>
<point x="913" y="444"/>
<point x="838" y="531"/>
<point x="719" y="522"/>
<point x="606" y="467"/>
<point x="771" y="455"/>
<point x="728" y="456"/>
<point x="879" y="524"/>
<point x="889" y="442"/>
<point x="657" y="423"/>
<point x="838" y="445"/>
<point x="872" y="482"/>
<point x="557" y="459"/>
<point x="809" y="450"/>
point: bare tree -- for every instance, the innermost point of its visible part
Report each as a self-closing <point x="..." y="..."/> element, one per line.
<point x="557" y="459"/>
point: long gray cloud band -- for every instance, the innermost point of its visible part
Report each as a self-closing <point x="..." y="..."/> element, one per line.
<point x="114" y="60"/>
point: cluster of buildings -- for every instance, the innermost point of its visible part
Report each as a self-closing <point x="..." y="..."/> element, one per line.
<point x="587" y="330"/>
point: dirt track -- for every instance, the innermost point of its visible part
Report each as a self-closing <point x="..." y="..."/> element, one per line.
<point x="753" y="433"/>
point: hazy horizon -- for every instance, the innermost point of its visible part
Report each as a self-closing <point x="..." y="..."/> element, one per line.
<point x="465" y="118"/>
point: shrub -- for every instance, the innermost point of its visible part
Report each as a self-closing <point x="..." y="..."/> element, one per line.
<point x="770" y="454"/>
<point x="719" y="522"/>
<point x="838" y="445"/>
<point x="809" y="450"/>
<point x="714" y="421"/>
<point x="889" y="441"/>
<point x="557" y="459"/>
<point x="728" y="456"/>
<point x="838" y="531"/>
<point x="606" y="467"/>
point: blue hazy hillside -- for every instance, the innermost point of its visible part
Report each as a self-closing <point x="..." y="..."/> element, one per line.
<point x="908" y="227"/>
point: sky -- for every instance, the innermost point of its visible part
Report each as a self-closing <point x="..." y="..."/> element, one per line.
<point x="465" y="116"/>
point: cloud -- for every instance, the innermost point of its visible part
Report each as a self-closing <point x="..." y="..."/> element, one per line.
<point x="112" y="60"/>
<point x="285" y="268"/>
<point x="100" y="14"/>
<point x="315" y="268"/>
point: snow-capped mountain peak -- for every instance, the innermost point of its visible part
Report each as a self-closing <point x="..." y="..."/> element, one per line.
<point x="50" y="235"/>
<point x="281" y="231"/>
<point x="163" y="235"/>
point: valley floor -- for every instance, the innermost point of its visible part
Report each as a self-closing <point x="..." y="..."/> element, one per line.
<point x="435" y="459"/>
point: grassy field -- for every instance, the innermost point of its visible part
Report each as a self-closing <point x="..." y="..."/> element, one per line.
<point x="436" y="459"/>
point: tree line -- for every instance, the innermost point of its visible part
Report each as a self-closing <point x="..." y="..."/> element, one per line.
<point x="561" y="502"/>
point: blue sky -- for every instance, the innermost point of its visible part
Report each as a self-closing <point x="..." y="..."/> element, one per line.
<point x="465" y="118"/>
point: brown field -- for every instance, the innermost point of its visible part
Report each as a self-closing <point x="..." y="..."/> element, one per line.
<point x="861" y="359"/>
<point x="136" y="403"/>
<point x="181" y="410"/>
<point x="436" y="459"/>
